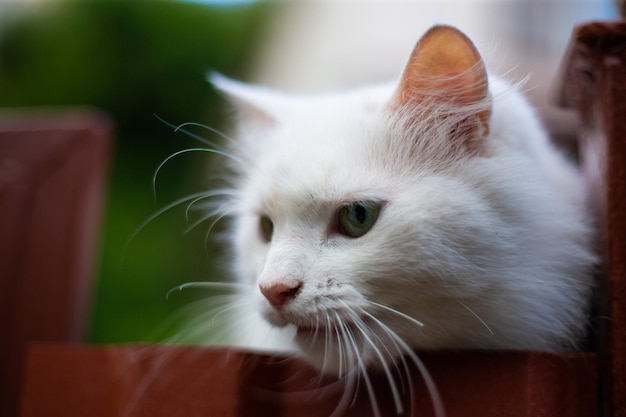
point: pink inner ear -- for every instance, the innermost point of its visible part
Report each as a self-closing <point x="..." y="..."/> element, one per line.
<point x="445" y="67"/>
<point x="444" y="63"/>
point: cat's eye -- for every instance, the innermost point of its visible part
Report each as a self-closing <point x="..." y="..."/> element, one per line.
<point x="266" y="226"/>
<point x="356" y="219"/>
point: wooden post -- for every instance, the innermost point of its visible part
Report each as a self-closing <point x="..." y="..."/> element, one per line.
<point x="594" y="84"/>
<point x="52" y="174"/>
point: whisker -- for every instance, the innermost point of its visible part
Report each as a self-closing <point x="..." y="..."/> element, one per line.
<point x="397" y="312"/>
<point x="339" y="348"/>
<point x="152" y="373"/>
<point x="360" y="325"/>
<point x="158" y="213"/>
<point x="210" y="229"/>
<point x="317" y="327"/>
<point x="207" y="195"/>
<point x="202" y="220"/>
<point x="349" y="393"/>
<point x="405" y="366"/>
<point x="189" y="150"/>
<point x="209" y="128"/>
<point x="401" y="357"/>
<point x="320" y="375"/>
<point x="427" y="378"/>
<point x="192" y="323"/>
<point x="363" y="371"/>
<point x="346" y="374"/>
<point x="217" y="215"/>
<point x="394" y="388"/>
<point x="227" y="308"/>
<point x="327" y="331"/>
<point x="193" y="135"/>
<point x="202" y="318"/>
<point x="206" y="284"/>
<point x="478" y="317"/>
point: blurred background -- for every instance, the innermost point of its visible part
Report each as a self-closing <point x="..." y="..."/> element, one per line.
<point x="137" y="60"/>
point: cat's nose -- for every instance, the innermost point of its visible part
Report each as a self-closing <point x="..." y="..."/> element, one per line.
<point x="281" y="292"/>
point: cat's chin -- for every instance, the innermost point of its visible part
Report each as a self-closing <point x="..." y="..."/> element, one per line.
<point x="320" y="354"/>
<point x="313" y="338"/>
<point x="324" y="335"/>
<point x="334" y="353"/>
<point x="309" y="332"/>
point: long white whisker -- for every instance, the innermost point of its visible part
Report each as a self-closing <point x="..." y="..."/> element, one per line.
<point x="327" y="331"/>
<point x="317" y="329"/>
<point x="217" y="215"/>
<point x="399" y="313"/>
<point x="363" y="328"/>
<point x="193" y="135"/>
<point x="210" y="129"/>
<point x="351" y="374"/>
<point x="358" y="322"/>
<point x="198" y="318"/>
<point x="175" y="154"/>
<point x="361" y="365"/>
<point x="202" y="220"/>
<point x="316" y="335"/>
<point x="349" y="391"/>
<point x="158" y="213"/>
<point x="398" y="349"/>
<point x="204" y="197"/>
<point x="206" y="284"/>
<point x="227" y="308"/>
<point x="428" y="380"/>
<point x="222" y="316"/>
<point x="211" y="226"/>
<point x="402" y="359"/>
<point x="339" y="348"/>
<point x="478" y="317"/>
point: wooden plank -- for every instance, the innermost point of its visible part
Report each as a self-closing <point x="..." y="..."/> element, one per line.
<point x="595" y="85"/>
<point x="134" y="381"/>
<point x="52" y="175"/>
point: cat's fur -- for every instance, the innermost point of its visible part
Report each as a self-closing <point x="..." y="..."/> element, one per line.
<point x="482" y="240"/>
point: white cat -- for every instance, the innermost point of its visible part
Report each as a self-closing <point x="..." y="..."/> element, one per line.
<point x="428" y="214"/>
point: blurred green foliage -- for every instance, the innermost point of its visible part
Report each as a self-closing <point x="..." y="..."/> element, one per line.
<point x="135" y="60"/>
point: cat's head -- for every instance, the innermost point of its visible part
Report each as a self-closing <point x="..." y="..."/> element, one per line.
<point x="361" y="217"/>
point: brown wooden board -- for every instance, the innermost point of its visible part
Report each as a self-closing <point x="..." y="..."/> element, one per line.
<point x="153" y="381"/>
<point x="594" y="84"/>
<point x="52" y="174"/>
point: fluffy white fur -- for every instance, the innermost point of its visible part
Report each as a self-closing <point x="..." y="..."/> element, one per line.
<point x="486" y="248"/>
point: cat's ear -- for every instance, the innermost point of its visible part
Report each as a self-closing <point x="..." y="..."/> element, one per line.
<point x="256" y="105"/>
<point x="446" y="70"/>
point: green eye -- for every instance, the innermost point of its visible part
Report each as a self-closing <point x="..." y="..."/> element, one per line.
<point x="356" y="219"/>
<point x="266" y="226"/>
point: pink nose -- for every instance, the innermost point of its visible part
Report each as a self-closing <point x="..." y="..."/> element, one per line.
<point x="279" y="293"/>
